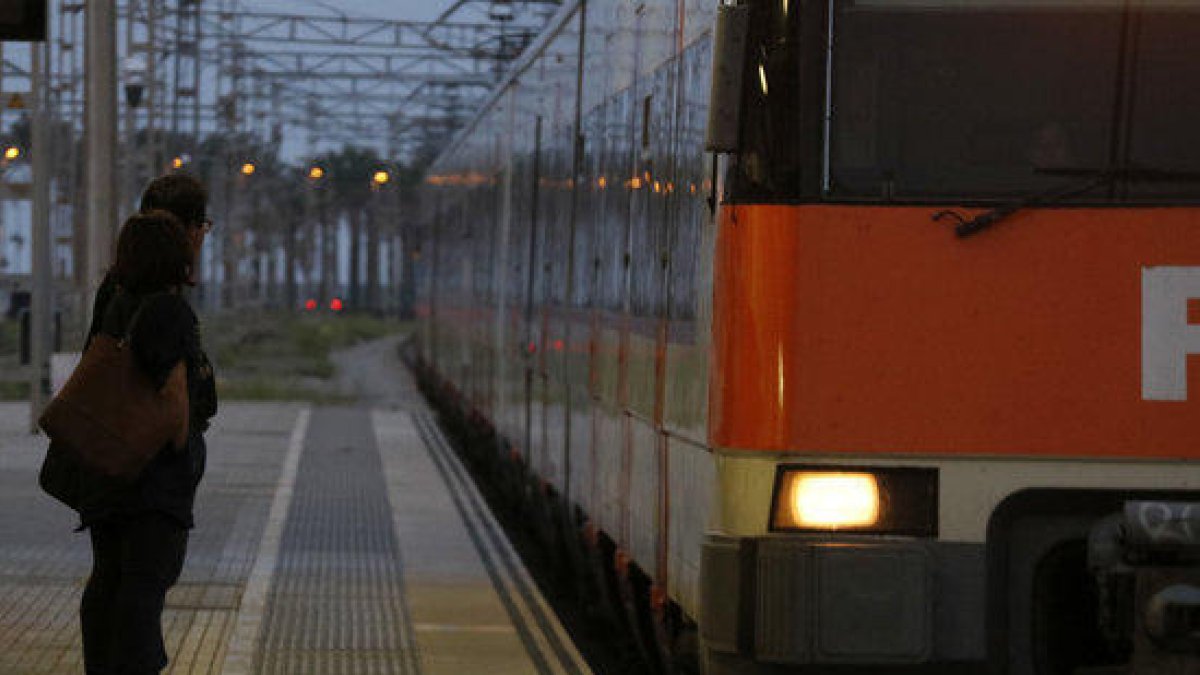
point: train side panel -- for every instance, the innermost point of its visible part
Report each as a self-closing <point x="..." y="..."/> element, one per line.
<point x="587" y="348"/>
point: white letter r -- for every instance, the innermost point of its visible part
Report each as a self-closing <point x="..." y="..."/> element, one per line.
<point x="1167" y="337"/>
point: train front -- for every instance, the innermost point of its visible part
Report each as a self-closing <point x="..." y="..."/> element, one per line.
<point x="956" y="321"/>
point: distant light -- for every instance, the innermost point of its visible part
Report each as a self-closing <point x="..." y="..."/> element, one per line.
<point x="762" y="78"/>
<point x="12" y="152"/>
<point x="657" y="186"/>
<point x="601" y="182"/>
<point x="381" y="177"/>
<point x="177" y="163"/>
<point x="248" y="169"/>
<point x="310" y="304"/>
<point x="636" y="182"/>
<point x="316" y="173"/>
<point x="558" y="345"/>
<point x="336" y="304"/>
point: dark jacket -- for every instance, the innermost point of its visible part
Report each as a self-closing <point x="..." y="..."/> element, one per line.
<point x="166" y="330"/>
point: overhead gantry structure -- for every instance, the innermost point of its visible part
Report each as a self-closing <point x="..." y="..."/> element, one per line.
<point x="399" y="85"/>
<point x="203" y="67"/>
<point x="285" y="86"/>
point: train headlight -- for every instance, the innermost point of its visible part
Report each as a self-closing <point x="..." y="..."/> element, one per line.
<point x="885" y="500"/>
<point x="834" y="500"/>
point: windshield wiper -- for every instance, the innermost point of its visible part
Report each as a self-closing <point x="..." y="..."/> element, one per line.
<point x="1093" y="178"/>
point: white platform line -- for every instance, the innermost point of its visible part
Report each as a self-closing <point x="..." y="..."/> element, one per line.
<point x="247" y="628"/>
<point x="478" y="511"/>
<point x="463" y="628"/>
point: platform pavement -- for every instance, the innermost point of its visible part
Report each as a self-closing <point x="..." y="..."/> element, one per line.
<point x="328" y="540"/>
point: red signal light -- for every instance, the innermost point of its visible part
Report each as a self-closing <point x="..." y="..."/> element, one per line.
<point x="310" y="304"/>
<point x="558" y="345"/>
<point x="336" y="304"/>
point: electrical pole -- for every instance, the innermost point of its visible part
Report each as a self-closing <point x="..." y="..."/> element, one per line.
<point x="134" y="76"/>
<point x="176" y="96"/>
<point x="3" y="170"/>
<point x="100" y="124"/>
<point x="153" y="94"/>
<point x="43" y="280"/>
<point x="198" y="34"/>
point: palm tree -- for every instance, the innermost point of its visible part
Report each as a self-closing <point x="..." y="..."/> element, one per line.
<point x="287" y="195"/>
<point x="349" y="175"/>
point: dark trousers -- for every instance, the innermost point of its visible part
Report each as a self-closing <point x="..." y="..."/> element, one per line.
<point x="134" y="561"/>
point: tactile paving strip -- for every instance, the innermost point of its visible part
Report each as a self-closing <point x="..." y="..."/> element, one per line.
<point x="337" y="603"/>
<point x="43" y="565"/>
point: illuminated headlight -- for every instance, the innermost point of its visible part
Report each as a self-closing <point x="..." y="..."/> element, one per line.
<point x="888" y="500"/>
<point x="834" y="500"/>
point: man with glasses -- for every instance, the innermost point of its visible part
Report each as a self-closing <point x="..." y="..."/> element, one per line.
<point x="183" y="197"/>
<point x="186" y="198"/>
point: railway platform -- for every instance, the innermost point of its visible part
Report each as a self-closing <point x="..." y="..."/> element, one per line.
<point x="329" y="540"/>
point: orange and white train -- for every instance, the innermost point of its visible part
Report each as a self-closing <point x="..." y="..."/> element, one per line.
<point x="842" y="332"/>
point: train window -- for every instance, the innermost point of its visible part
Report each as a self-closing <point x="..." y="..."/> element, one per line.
<point x="768" y="164"/>
<point x="1165" y="107"/>
<point x="995" y="99"/>
<point x="646" y="121"/>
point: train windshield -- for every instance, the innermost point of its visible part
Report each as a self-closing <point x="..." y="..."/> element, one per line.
<point x="996" y="99"/>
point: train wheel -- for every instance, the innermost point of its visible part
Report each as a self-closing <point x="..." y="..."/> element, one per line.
<point x="512" y="485"/>
<point x="546" y="508"/>
<point x="674" y="634"/>
<point x="579" y="554"/>
<point x="635" y="589"/>
<point x="567" y="551"/>
<point x="609" y="606"/>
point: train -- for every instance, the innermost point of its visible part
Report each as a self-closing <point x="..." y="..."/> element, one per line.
<point x="840" y="334"/>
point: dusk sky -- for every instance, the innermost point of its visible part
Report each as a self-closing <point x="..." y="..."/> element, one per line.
<point x="14" y="214"/>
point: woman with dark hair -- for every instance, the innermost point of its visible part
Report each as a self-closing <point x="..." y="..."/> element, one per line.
<point x="139" y="530"/>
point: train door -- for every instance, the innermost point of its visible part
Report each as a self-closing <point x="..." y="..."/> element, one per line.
<point x="531" y="369"/>
<point x="690" y="241"/>
<point x="607" y="360"/>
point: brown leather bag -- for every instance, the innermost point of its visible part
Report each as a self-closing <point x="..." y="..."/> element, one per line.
<point x="110" y="415"/>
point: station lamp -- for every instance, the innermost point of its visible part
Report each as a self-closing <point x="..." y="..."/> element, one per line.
<point x="177" y="163"/>
<point x="316" y="173"/>
<point x="248" y="169"/>
<point x="501" y="11"/>
<point x="380" y="177"/>
<point x="135" y="70"/>
<point x="12" y="152"/>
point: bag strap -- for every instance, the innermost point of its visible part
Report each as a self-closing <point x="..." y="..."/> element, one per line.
<point x="137" y="313"/>
<point x="194" y="354"/>
<point x="127" y="334"/>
